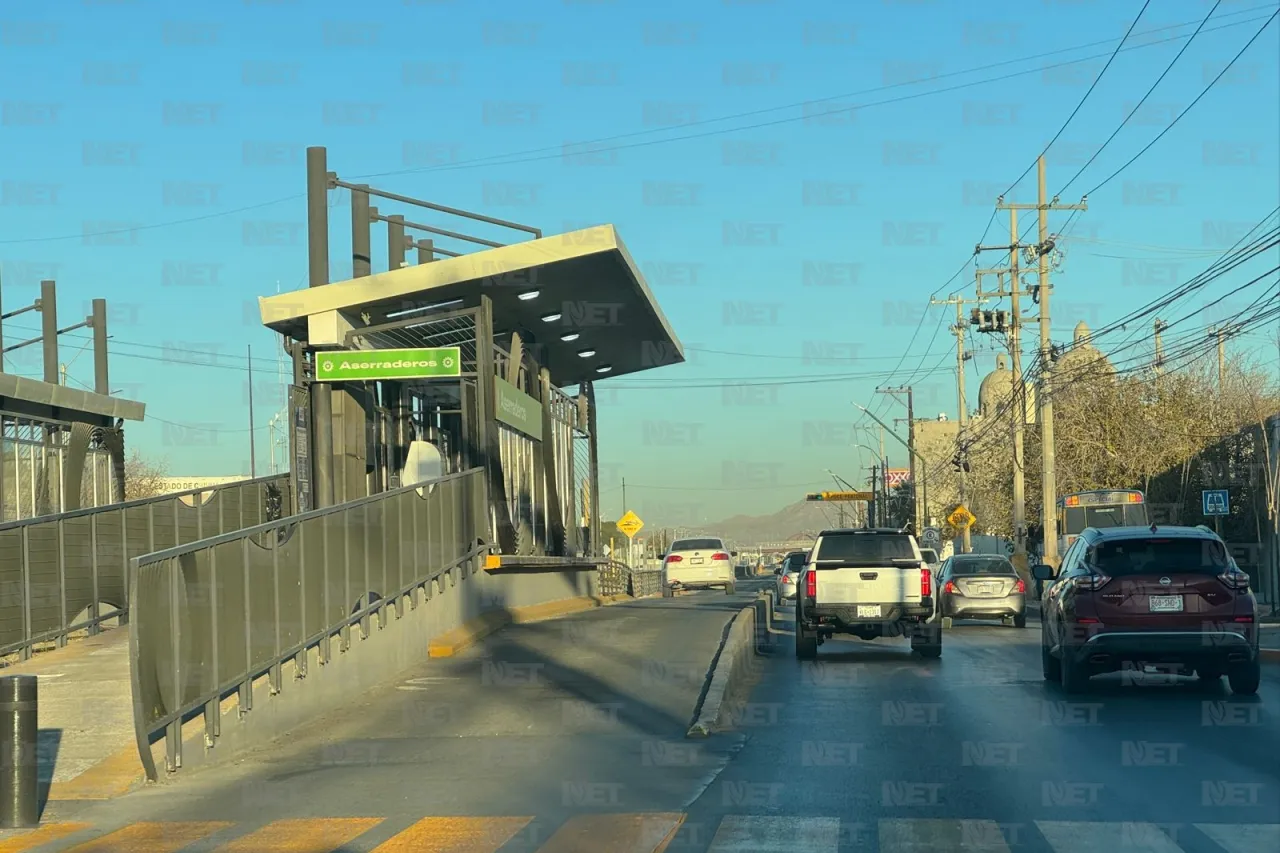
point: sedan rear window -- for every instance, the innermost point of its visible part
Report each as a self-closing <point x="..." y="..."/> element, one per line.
<point x="697" y="545"/>
<point x="855" y="546"/>
<point x="1150" y="555"/>
<point x="982" y="566"/>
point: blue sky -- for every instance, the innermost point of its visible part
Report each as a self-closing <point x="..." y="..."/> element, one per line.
<point x="125" y="114"/>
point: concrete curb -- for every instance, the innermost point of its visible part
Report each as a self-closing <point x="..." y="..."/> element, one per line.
<point x="735" y="657"/>
<point x="469" y="633"/>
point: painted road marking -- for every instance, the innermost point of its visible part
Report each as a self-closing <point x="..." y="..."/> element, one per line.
<point x="151" y="838"/>
<point x="1243" y="837"/>
<point x="769" y="834"/>
<point x="925" y="836"/>
<point x="314" y="835"/>
<point x="617" y="833"/>
<point x="38" y="837"/>
<point x="455" y="835"/>
<point x="1082" y="837"/>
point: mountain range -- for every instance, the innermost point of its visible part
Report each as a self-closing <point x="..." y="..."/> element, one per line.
<point x="798" y="521"/>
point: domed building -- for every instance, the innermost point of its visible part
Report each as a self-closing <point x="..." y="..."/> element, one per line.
<point x="1083" y="358"/>
<point x="997" y="389"/>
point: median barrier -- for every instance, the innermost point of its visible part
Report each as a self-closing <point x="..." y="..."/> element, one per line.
<point x="734" y="666"/>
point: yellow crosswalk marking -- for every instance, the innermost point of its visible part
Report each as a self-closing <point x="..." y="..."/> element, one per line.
<point x="923" y="836"/>
<point x="39" y="836"/>
<point x="151" y="837"/>
<point x="315" y="835"/>
<point x="1243" y="837"/>
<point x="455" y="835"/>
<point x="617" y="833"/>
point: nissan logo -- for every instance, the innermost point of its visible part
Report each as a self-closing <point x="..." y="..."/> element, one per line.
<point x="1165" y="581"/>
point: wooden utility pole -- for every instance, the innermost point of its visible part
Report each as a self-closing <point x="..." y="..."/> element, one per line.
<point x="919" y="497"/>
<point x="1043" y="248"/>
<point x="1158" y="365"/>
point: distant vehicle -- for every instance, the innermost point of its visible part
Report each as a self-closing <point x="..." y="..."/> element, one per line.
<point x="787" y="575"/>
<point x="1169" y="597"/>
<point x="870" y="583"/>
<point x="1100" y="508"/>
<point x="982" y="586"/>
<point x="931" y="558"/>
<point x="702" y="563"/>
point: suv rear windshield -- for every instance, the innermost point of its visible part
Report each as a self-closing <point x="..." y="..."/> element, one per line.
<point x="1150" y="555"/>
<point x="982" y="566"/>
<point x="795" y="561"/>
<point x="697" y="545"/>
<point x="865" y="546"/>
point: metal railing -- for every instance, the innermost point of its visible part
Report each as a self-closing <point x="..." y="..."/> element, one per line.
<point x="56" y="567"/>
<point x="210" y="618"/>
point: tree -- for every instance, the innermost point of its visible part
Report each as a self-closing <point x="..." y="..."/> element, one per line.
<point x="144" y="478"/>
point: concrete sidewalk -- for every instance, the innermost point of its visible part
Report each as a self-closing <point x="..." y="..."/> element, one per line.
<point x="86" y="748"/>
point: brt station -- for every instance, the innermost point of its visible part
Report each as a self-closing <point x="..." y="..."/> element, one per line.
<point x="461" y="361"/>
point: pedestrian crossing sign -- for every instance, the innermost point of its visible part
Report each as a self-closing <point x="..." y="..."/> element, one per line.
<point x="1215" y="502"/>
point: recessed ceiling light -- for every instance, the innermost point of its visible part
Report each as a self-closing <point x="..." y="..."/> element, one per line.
<point x="572" y="336"/>
<point x="532" y="294"/>
<point x="550" y="318"/>
<point x="604" y="368"/>
<point x="586" y="353"/>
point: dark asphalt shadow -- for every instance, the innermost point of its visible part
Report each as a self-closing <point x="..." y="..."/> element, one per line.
<point x="48" y="742"/>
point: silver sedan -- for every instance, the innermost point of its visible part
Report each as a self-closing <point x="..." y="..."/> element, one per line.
<point x="982" y="586"/>
<point x="786" y="575"/>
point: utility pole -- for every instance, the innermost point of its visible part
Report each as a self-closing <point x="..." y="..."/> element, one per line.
<point x="1049" y="472"/>
<point x="1160" y="326"/>
<point x="1220" y="332"/>
<point x="919" y="499"/>
<point x="961" y="357"/>
<point x="873" y="515"/>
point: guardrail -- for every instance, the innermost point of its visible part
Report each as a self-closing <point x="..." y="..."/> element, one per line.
<point x="54" y="568"/>
<point x="211" y="617"/>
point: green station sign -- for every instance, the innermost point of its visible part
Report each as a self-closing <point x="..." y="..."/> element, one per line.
<point x="517" y="409"/>
<point x="368" y="365"/>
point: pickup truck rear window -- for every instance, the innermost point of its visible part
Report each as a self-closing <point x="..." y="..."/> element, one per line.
<point x="860" y="547"/>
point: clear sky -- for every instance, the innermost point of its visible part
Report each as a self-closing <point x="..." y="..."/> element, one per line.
<point x="173" y="118"/>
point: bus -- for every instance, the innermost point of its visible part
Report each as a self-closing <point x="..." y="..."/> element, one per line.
<point x="1099" y="508"/>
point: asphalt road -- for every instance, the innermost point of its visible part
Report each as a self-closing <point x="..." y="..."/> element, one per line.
<point x="577" y="729"/>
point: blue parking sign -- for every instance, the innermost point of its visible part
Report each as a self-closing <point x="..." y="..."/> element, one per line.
<point x="1215" y="502"/>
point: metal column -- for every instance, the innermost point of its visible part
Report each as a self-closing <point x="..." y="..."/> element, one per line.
<point x="318" y="275"/>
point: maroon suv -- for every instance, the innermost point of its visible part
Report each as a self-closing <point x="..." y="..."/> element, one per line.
<point x="1166" y="597"/>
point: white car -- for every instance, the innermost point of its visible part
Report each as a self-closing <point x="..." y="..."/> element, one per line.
<point x="702" y="563"/>
<point x="787" y="575"/>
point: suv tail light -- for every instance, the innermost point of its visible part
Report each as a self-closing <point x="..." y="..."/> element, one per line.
<point x="811" y="584"/>
<point x="675" y="558"/>
<point x="1235" y="579"/>
<point x="1091" y="582"/>
<point x="1020" y="585"/>
<point x="926" y="583"/>
<point x="720" y="555"/>
<point x="950" y="587"/>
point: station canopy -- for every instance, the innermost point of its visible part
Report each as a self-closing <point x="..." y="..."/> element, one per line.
<point x="582" y="286"/>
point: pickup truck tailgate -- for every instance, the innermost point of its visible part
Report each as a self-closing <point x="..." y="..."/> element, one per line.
<point x="867" y="586"/>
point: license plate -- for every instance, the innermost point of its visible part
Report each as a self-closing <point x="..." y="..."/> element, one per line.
<point x="986" y="588"/>
<point x="868" y="611"/>
<point x="1166" y="604"/>
<point x="696" y="561"/>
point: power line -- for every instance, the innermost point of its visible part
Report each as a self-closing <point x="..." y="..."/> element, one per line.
<point x="558" y="151"/>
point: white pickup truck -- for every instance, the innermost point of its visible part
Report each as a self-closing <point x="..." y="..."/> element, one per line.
<point x="869" y="583"/>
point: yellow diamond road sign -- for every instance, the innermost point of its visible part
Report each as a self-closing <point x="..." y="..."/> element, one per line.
<point x="961" y="517"/>
<point x="630" y="524"/>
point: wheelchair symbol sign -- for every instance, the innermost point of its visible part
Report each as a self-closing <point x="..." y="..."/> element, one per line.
<point x="1215" y="502"/>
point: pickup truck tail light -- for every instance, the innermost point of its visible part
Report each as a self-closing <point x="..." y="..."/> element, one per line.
<point x="811" y="584"/>
<point x="720" y="555"/>
<point x="926" y="583"/>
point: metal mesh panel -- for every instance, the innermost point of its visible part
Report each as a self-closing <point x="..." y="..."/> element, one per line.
<point x="444" y="332"/>
<point x="33" y="455"/>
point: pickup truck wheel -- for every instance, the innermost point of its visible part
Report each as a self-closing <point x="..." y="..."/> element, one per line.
<point x="928" y="643"/>
<point x="806" y="644"/>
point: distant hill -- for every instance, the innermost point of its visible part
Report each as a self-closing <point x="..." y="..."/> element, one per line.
<point x="801" y="520"/>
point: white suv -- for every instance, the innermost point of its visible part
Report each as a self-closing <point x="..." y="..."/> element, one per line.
<point x="702" y="563"/>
